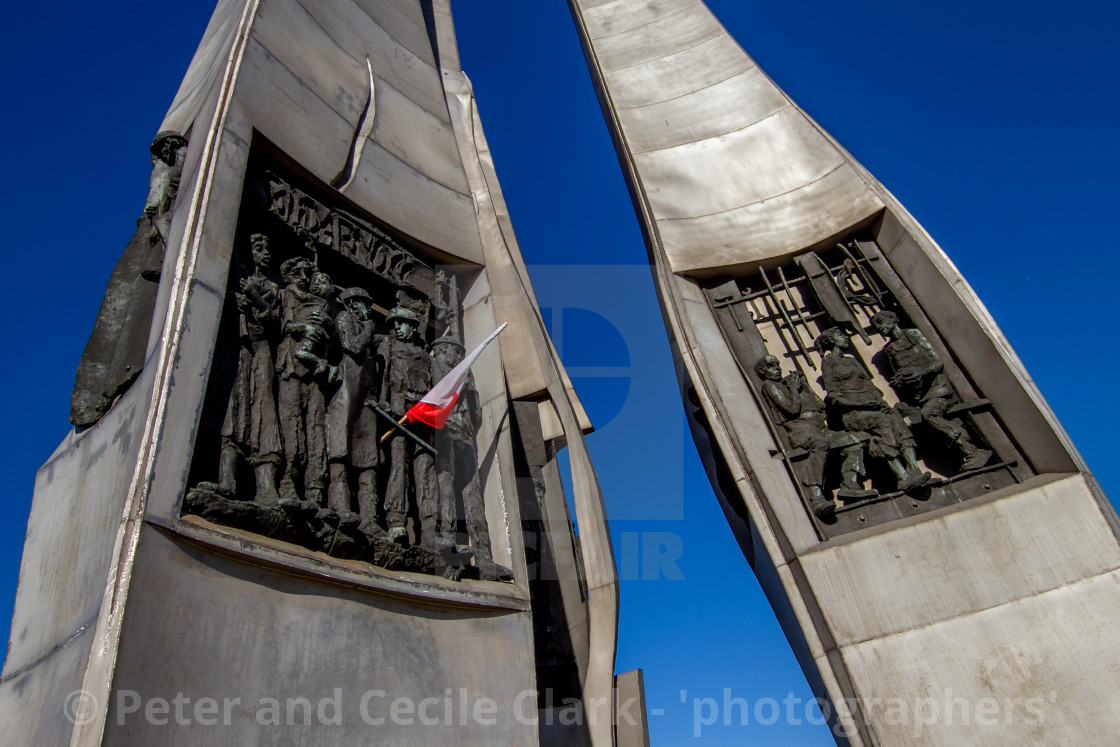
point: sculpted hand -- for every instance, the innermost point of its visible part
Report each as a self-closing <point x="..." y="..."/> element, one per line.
<point x="315" y="334"/>
<point x="250" y="292"/>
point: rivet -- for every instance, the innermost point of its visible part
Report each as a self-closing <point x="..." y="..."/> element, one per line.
<point x="862" y="517"/>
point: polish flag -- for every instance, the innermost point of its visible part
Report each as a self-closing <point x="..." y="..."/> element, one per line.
<point x="436" y="405"/>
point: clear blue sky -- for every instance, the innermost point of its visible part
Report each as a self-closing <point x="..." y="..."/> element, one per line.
<point x="992" y="122"/>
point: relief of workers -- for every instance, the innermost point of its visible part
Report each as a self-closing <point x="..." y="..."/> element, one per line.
<point x="919" y="381"/>
<point x="796" y="407"/>
<point x="862" y="409"/>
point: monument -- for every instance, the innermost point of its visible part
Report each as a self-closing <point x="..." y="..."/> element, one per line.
<point x="921" y="524"/>
<point x="250" y="528"/>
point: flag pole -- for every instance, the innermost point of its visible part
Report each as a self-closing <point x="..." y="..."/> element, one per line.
<point x="434" y="407"/>
<point x="391" y="431"/>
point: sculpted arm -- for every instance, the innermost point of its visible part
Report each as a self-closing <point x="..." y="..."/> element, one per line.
<point x="258" y="297"/>
<point x="913" y="374"/>
<point x="827" y="380"/>
<point x="353" y="334"/>
<point x="157" y="185"/>
<point x="268" y="310"/>
<point x="381" y="372"/>
<point x="935" y="365"/>
<point x="782" y="398"/>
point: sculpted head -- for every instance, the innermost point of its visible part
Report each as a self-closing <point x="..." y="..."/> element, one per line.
<point x="404" y="329"/>
<point x="297" y="273"/>
<point x="447" y="351"/>
<point x="885" y="323"/>
<point x="357" y="302"/>
<point x="261" y="256"/>
<point x="769" y="368"/>
<point x="321" y="285"/>
<point x="833" y="337"/>
<point x="165" y="145"/>
<point x="404" y="323"/>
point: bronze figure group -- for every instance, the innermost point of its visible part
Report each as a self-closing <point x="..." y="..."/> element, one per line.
<point x="867" y="425"/>
<point x="313" y="427"/>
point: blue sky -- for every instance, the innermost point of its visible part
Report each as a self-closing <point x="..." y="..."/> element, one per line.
<point x="992" y="122"/>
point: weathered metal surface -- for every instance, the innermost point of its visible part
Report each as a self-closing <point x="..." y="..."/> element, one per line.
<point x="291" y="80"/>
<point x="731" y="180"/>
<point x="732" y="170"/>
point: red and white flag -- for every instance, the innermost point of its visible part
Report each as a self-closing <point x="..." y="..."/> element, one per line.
<point x="436" y="405"/>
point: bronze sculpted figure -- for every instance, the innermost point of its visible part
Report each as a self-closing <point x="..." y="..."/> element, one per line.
<point x="919" y="381"/>
<point x="169" y="149"/>
<point x="862" y="409"/>
<point x="351" y="423"/>
<point x="251" y="430"/>
<point x="405" y="376"/>
<point x="114" y="355"/>
<point x="457" y="463"/>
<point x="802" y="413"/>
<point x="302" y="366"/>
